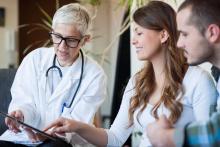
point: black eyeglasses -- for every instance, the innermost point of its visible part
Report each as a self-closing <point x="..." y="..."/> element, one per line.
<point x="70" y="42"/>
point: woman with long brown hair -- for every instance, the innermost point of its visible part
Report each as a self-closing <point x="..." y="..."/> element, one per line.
<point x="165" y="85"/>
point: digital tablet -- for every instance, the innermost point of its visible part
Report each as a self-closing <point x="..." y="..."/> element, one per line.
<point x="30" y="127"/>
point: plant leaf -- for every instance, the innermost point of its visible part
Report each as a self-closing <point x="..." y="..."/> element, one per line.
<point x="33" y="44"/>
<point x="57" y="4"/>
<point x="34" y="29"/>
<point x="47" y="24"/>
<point x="46" y="15"/>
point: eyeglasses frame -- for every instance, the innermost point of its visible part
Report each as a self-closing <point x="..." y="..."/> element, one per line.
<point x="64" y="38"/>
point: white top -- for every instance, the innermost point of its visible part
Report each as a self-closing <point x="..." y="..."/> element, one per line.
<point x="200" y="95"/>
<point x="32" y="95"/>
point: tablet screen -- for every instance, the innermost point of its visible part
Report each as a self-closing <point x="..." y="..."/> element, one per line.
<point x="32" y="128"/>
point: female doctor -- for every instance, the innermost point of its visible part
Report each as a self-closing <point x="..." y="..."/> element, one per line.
<point x="57" y="81"/>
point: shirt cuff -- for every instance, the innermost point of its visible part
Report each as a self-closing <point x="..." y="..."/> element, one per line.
<point x="179" y="137"/>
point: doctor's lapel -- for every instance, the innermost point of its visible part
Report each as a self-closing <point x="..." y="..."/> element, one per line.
<point x="69" y="80"/>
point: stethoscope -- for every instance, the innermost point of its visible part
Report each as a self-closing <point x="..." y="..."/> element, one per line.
<point x="61" y="75"/>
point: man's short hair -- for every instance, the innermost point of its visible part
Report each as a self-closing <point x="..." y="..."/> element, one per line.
<point x="203" y="13"/>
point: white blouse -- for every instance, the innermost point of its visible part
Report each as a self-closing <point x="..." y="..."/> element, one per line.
<point x="199" y="97"/>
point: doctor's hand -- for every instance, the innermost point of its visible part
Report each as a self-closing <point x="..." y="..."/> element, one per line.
<point x="62" y="126"/>
<point x="161" y="132"/>
<point x="12" y="124"/>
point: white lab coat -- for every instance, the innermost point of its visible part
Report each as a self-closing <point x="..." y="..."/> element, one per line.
<point x="30" y="91"/>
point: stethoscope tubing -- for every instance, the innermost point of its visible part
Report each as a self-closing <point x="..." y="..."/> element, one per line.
<point x="61" y="75"/>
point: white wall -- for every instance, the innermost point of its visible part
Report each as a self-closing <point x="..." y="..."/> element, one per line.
<point x="105" y="27"/>
<point x="7" y="33"/>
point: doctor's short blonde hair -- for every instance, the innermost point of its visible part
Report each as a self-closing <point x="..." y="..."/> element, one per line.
<point x="74" y="14"/>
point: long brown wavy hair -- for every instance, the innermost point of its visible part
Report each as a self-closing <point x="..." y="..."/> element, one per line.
<point x="158" y="16"/>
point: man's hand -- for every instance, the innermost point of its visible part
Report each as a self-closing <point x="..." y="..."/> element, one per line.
<point x="12" y="124"/>
<point x="161" y="132"/>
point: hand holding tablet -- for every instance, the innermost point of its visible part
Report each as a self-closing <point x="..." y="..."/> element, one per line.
<point x="28" y="127"/>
